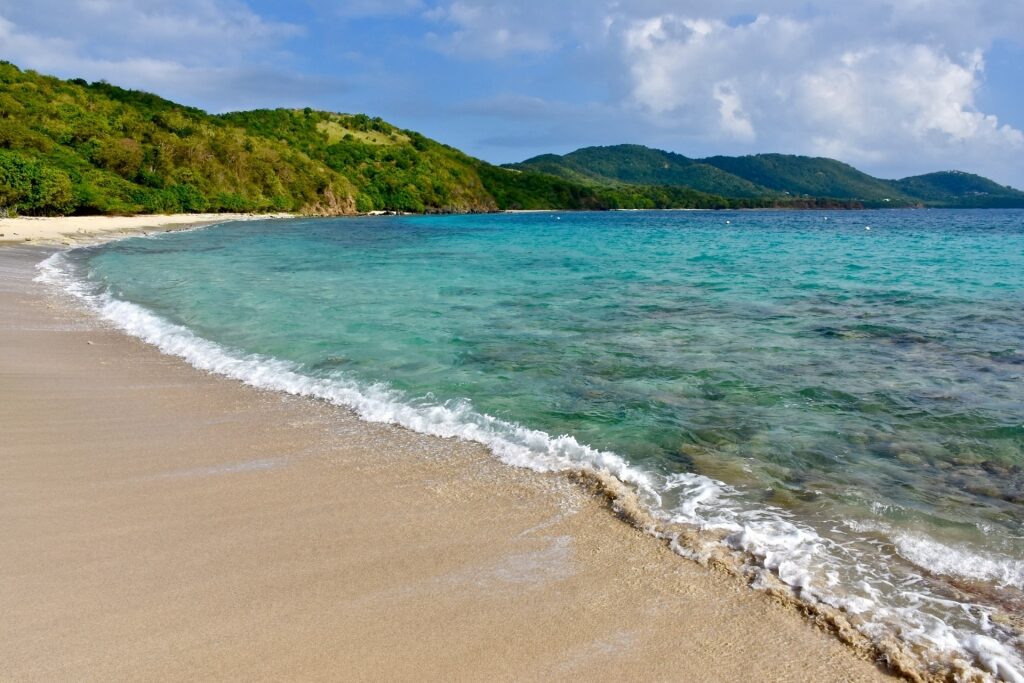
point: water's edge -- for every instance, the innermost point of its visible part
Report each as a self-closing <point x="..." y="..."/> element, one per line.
<point x="763" y="549"/>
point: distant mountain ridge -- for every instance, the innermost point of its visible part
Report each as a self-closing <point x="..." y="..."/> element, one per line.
<point x="639" y="165"/>
<point x="771" y="175"/>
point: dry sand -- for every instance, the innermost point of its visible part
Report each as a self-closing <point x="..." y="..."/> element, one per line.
<point x="69" y="230"/>
<point x="157" y="522"/>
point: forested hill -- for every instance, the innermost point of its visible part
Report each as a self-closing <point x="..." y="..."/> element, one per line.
<point x="956" y="188"/>
<point x="636" y="164"/>
<point x="72" y="147"/>
<point x="771" y="175"/>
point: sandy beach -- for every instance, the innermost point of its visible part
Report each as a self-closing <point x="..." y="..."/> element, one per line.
<point x="72" y="230"/>
<point x="163" y="523"/>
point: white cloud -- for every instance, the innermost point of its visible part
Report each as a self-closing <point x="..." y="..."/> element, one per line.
<point x="900" y="96"/>
<point x="734" y="120"/>
<point x="803" y="86"/>
<point x="190" y="32"/>
<point x="699" y="74"/>
<point x="207" y="52"/>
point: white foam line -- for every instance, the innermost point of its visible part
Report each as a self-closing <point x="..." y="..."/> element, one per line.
<point x="795" y="553"/>
<point x="939" y="558"/>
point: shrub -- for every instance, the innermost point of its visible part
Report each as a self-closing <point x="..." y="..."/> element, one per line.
<point x="29" y="187"/>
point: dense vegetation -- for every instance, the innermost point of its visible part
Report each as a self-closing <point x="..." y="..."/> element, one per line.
<point x="72" y="147"/>
<point x="93" y="148"/>
<point x="638" y="165"/>
<point x="809" y="176"/>
<point x="956" y="188"/>
<point x="390" y="169"/>
<point x="786" y="179"/>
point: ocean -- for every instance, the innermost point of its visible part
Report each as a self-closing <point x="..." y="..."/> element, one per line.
<point x="834" y="400"/>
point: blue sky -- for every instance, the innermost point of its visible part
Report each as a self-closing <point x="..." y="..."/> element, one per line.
<point x="895" y="87"/>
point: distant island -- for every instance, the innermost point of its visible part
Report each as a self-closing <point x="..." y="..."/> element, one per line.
<point x="70" y="147"/>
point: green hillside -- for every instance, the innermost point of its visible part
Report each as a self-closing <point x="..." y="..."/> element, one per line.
<point x="402" y="170"/>
<point x="72" y="147"/>
<point x="639" y="165"/>
<point x="389" y="168"/>
<point x="956" y="188"/>
<point x="766" y="178"/>
<point x="811" y="176"/>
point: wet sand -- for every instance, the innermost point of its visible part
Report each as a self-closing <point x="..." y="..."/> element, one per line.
<point x="162" y="523"/>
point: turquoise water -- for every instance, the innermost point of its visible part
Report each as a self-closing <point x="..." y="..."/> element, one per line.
<point x="862" y="386"/>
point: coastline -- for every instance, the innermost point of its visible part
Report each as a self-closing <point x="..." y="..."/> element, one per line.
<point x="274" y="531"/>
<point x="70" y="231"/>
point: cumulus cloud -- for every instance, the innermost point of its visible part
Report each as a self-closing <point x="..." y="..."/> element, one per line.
<point x="865" y="102"/>
<point x="789" y="81"/>
<point x="697" y="73"/>
<point x="733" y="119"/>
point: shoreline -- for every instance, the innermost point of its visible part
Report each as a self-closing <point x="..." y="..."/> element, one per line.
<point x="71" y="231"/>
<point x="581" y="546"/>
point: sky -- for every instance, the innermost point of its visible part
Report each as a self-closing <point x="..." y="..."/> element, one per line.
<point x="894" y="87"/>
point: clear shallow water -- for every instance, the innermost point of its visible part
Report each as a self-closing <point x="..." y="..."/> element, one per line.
<point x="845" y="406"/>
